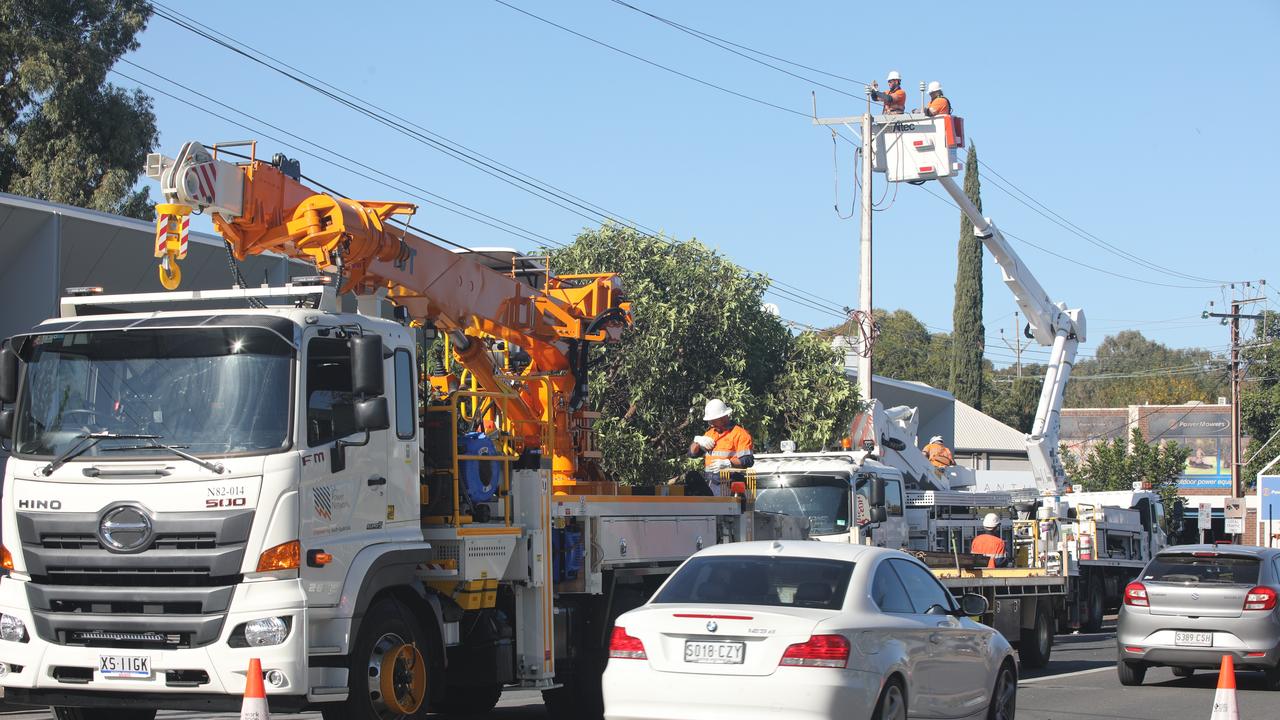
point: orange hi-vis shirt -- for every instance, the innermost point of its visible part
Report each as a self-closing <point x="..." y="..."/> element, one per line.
<point x="939" y="106"/>
<point x="939" y="455"/>
<point x="990" y="545"/>
<point x="733" y="443"/>
<point x="895" y="101"/>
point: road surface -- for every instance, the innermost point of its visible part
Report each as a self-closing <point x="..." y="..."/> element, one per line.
<point x="1080" y="683"/>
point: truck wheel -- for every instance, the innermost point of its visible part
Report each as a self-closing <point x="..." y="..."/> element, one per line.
<point x="1130" y="673"/>
<point x="467" y="701"/>
<point x="581" y="697"/>
<point x="1093" y="608"/>
<point x="77" y="713"/>
<point x="389" y="677"/>
<point x="1035" y="643"/>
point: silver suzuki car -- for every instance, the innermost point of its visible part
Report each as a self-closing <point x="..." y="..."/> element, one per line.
<point x="1192" y="604"/>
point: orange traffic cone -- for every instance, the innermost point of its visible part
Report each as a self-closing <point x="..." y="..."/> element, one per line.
<point x="255" y="698"/>
<point x="1224" y="702"/>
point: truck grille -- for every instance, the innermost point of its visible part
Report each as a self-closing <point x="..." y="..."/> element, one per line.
<point x="174" y="593"/>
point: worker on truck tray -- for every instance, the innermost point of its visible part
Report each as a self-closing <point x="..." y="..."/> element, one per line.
<point x="726" y="445"/>
<point x="938" y="103"/>
<point x="989" y="543"/>
<point x="938" y="453"/>
<point x="894" y="99"/>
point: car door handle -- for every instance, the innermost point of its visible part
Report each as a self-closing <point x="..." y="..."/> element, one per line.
<point x="946" y="624"/>
<point x="935" y="638"/>
<point x="377" y="480"/>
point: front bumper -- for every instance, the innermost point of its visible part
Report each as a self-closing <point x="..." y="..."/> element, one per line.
<point x="47" y="673"/>
<point x="634" y="691"/>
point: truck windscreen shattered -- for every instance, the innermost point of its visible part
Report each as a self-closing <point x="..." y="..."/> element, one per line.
<point x="207" y="390"/>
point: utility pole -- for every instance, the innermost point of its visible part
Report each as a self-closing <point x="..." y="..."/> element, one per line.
<point x="1017" y="346"/>
<point x="865" y="299"/>
<point x="1233" y="319"/>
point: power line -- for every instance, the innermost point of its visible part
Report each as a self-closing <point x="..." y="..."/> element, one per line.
<point x="523" y="181"/>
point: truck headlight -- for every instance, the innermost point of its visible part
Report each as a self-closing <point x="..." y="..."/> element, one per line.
<point x="266" y="631"/>
<point x="12" y="629"/>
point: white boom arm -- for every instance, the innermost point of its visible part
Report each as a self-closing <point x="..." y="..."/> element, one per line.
<point x="1051" y="324"/>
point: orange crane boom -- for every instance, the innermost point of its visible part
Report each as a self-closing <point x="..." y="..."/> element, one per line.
<point x="258" y="207"/>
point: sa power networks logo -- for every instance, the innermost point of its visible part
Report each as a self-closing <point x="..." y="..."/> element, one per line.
<point x="324" y="501"/>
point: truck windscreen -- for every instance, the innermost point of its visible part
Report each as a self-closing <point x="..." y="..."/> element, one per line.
<point x="823" y="499"/>
<point x="209" y="391"/>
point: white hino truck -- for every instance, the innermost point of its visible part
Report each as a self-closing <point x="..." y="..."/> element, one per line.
<point x="1071" y="553"/>
<point x="200" y="478"/>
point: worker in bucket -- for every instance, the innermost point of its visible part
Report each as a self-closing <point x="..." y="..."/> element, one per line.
<point x="725" y="445"/>
<point x="938" y="103"/>
<point x="938" y="453"/>
<point x="989" y="543"/>
<point x="894" y="99"/>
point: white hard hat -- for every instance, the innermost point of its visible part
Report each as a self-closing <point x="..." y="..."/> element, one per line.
<point x="935" y="86"/>
<point x="935" y="439"/>
<point x="715" y="409"/>
<point x="991" y="521"/>
<point x="893" y="75"/>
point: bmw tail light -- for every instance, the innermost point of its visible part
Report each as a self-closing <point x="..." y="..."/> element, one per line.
<point x="1260" y="598"/>
<point x="1135" y="595"/>
<point x="830" y="651"/>
<point x="624" y="646"/>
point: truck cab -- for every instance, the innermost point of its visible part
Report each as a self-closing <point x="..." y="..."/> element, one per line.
<point x="846" y="496"/>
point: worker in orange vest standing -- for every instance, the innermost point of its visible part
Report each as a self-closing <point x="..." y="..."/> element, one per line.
<point x="938" y="454"/>
<point x="989" y="543"/>
<point x="894" y="99"/>
<point x="938" y="103"/>
<point x="725" y="445"/>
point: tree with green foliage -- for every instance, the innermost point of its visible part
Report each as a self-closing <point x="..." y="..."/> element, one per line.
<point x="1117" y="464"/>
<point x="1148" y="372"/>
<point x="700" y="331"/>
<point x="1260" y="401"/>
<point x="967" y="332"/>
<point x="69" y="135"/>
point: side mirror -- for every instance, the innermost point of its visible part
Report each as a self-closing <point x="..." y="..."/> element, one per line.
<point x="974" y="605"/>
<point x="6" y="423"/>
<point x="8" y="375"/>
<point x="366" y="365"/>
<point x="879" y="514"/>
<point x="877" y="492"/>
<point x="372" y="414"/>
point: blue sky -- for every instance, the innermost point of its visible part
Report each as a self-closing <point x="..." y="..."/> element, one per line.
<point x="1146" y="125"/>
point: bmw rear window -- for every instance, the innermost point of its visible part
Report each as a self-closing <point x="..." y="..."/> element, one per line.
<point x="1203" y="569"/>
<point x="752" y="580"/>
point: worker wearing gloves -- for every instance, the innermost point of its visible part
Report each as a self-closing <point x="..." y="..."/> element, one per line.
<point x="938" y="103"/>
<point x="938" y="454"/>
<point x="894" y="99"/>
<point x="989" y="543"/>
<point x="726" y="445"/>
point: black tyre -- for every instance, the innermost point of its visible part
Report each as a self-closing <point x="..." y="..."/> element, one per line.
<point x="1131" y="673"/>
<point x="1094" y="608"/>
<point x="467" y="701"/>
<point x="1035" y="644"/>
<point x="1004" y="694"/>
<point x="76" y="713"/>
<point x="389" y="676"/>
<point x="892" y="704"/>
<point x="1271" y="678"/>
<point x="1184" y="671"/>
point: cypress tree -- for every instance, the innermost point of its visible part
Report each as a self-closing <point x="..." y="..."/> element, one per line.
<point x="968" y="334"/>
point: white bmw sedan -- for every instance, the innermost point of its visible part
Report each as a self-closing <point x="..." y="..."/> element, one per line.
<point x="806" y="630"/>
